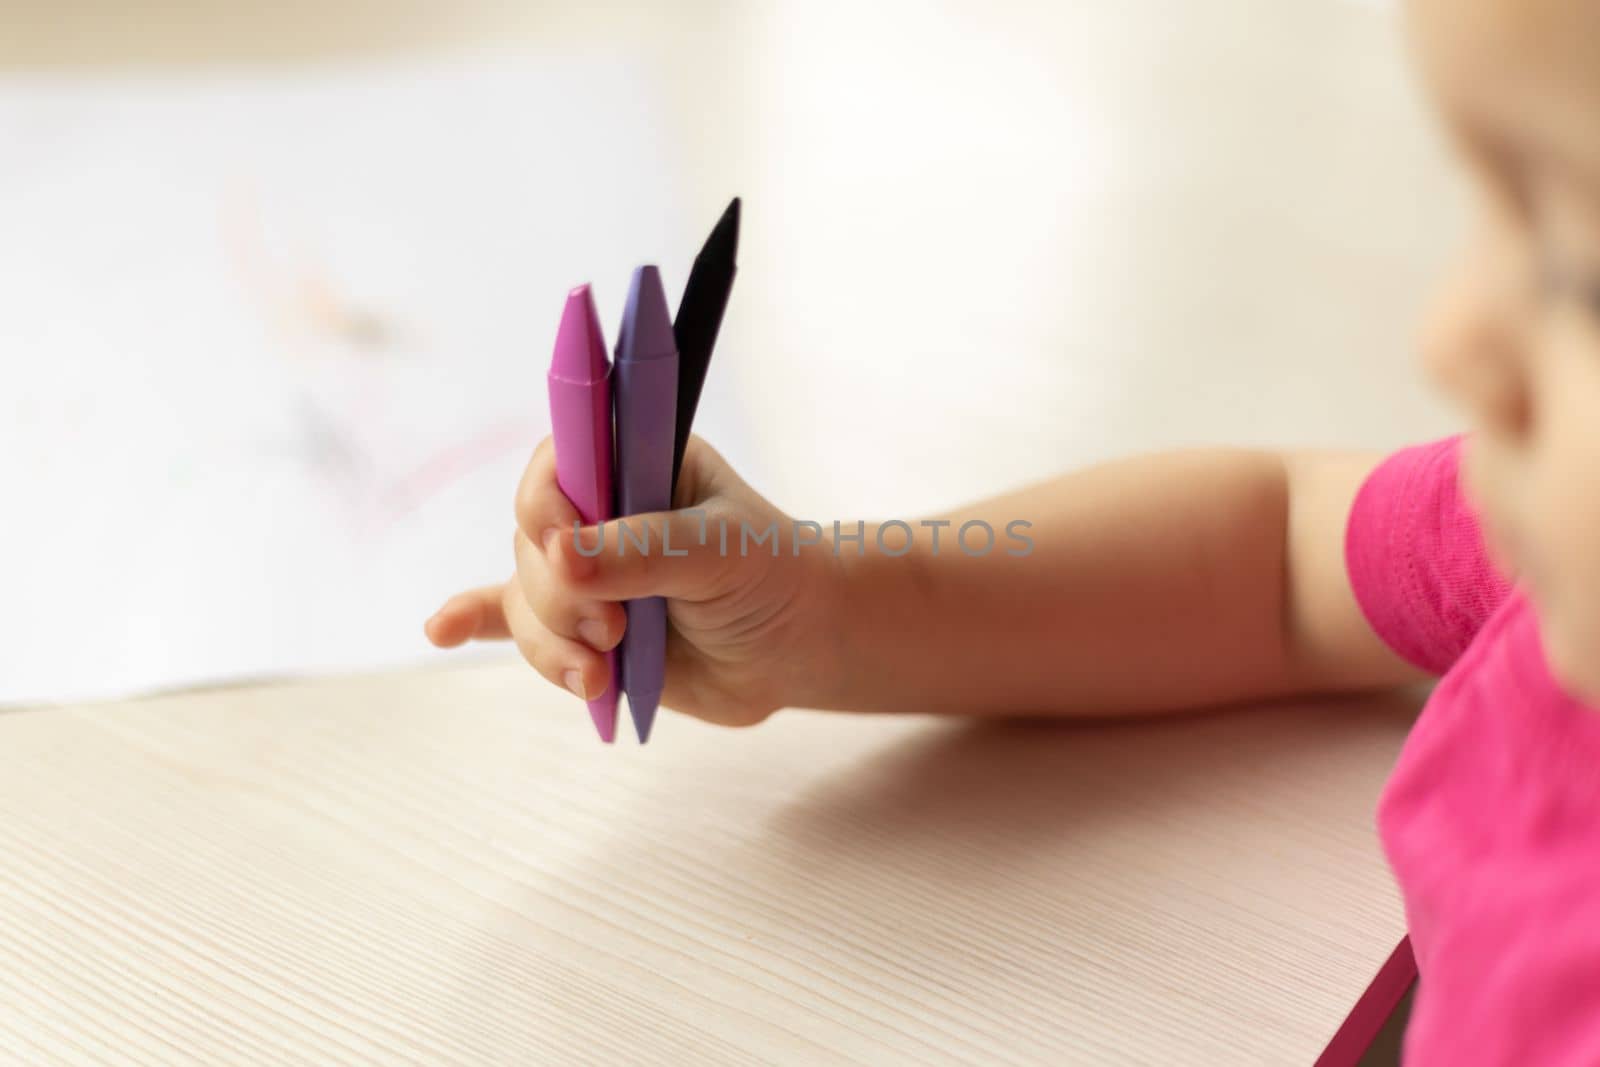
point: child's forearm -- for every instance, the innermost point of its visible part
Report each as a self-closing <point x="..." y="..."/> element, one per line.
<point x="1155" y="582"/>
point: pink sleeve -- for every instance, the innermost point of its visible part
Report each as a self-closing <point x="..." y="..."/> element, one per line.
<point x="1417" y="559"/>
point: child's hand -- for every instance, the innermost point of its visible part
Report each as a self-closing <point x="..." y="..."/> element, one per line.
<point x="750" y="633"/>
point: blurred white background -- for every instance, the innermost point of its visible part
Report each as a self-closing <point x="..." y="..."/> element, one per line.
<point x="278" y="282"/>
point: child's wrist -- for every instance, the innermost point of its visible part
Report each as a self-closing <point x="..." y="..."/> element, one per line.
<point x="867" y="590"/>
<point x="818" y="656"/>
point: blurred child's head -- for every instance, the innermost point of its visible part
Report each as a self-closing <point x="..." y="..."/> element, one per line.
<point x="1515" y="335"/>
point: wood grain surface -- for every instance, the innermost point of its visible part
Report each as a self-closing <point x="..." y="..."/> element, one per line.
<point x="446" y="867"/>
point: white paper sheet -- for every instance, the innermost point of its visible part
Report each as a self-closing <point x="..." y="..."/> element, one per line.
<point x="272" y="350"/>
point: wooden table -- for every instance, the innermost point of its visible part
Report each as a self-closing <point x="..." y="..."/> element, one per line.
<point x="446" y="867"/>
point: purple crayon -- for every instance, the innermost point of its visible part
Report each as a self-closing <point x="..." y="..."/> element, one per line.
<point x="647" y="401"/>
<point x="580" y="420"/>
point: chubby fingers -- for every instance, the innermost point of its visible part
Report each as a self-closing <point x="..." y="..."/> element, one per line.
<point x="562" y="661"/>
<point x="501" y="611"/>
<point x="476" y="613"/>
<point x="543" y="510"/>
<point x="558" y="605"/>
<point x="540" y="503"/>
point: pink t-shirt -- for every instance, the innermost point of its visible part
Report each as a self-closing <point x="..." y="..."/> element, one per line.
<point x="1491" y="819"/>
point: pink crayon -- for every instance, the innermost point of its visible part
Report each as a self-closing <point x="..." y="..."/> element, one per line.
<point x="580" y="420"/>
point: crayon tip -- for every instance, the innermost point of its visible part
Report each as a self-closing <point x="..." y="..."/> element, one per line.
<point x="603" y="712"/>
<point x="580" y="354"/>
<point x="726" y="231"/>
<point x="643" y="713"/>
<point x="646" y="321"/>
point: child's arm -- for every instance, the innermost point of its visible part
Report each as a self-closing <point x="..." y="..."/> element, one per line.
<point x="1153" y="583"/>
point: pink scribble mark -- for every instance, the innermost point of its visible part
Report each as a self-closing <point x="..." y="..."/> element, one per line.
<point x="311" y="325"/>
<point x="451" y="464"/>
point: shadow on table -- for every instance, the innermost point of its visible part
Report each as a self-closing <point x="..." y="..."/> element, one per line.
<point x="989" y="788"/>
<point x="953" y="892"/>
